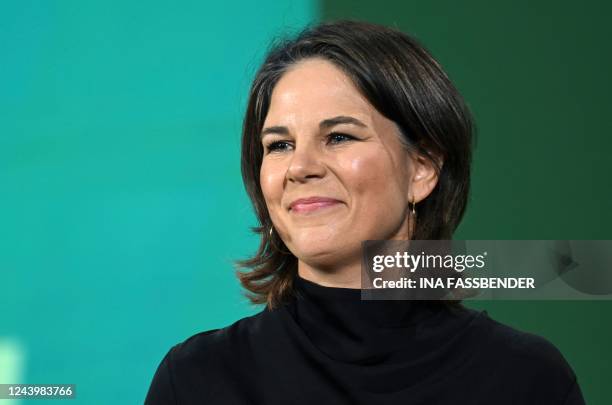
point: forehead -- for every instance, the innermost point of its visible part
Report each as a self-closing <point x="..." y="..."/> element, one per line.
<point x="313" y="90"/>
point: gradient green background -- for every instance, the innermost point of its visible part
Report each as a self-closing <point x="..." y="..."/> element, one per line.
<point x="121" y="203"/>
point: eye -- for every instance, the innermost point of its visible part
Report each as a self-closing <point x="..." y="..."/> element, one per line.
<point x="338" y="137"/>
<point x="277" y="146"/>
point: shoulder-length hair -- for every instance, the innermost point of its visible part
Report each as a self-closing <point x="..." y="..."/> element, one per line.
<point x="401" y="79"/>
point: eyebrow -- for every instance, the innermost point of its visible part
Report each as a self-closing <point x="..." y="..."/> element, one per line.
<point x="325" y="124"/>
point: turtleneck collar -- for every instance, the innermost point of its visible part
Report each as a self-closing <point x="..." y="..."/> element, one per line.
<point x="348" y="329"/>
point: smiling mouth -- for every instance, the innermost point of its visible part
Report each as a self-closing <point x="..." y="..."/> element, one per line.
<point x="305" y="208"/>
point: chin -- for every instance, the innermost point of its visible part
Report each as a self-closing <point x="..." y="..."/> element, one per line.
<point x="324" y="254"/>
<point x="316" y="250"/>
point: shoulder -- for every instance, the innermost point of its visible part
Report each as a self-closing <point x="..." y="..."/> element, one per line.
<point x="208" y="345"/>
<point x="213" y="355"/>
<point x="525" y="347"/>
<point x="529" y="360"/>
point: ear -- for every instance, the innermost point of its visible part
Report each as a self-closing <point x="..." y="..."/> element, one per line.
<point x="423" y="178"/>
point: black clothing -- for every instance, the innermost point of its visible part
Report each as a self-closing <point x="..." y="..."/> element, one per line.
<point x="327" y="346"/>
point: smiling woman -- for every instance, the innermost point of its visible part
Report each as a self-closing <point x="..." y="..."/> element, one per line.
<point x="353" y="132"/>
<point x="336" y="174"/>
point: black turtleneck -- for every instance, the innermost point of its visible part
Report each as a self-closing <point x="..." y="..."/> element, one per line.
<point x="327" y="346"/>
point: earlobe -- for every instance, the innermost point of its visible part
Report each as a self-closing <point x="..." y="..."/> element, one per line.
<point x="424" y="179"/>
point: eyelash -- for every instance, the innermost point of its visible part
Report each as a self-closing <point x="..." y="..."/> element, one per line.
<point x="272" y="147"/>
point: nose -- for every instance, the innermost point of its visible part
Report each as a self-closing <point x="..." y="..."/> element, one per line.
<point x="306" y="164"/>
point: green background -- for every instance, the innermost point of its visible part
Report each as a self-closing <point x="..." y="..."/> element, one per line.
<point x="121" y="203"/>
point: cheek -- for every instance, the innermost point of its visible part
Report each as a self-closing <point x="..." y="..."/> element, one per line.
<point x="374" y="185"/>
<point x="368" y="173"/>
<point x="271" y="182"/>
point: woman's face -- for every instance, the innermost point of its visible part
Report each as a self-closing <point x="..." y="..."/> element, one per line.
<point x="323" y="141"/>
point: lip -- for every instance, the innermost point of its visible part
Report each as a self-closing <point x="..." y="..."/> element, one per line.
<point x="302" y="205"/>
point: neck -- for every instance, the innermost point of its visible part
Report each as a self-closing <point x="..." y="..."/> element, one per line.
<point x="344" y="326"/>
<point x="345" y="276"/>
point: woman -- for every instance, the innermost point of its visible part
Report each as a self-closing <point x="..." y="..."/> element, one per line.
<point x="353" y="132"/>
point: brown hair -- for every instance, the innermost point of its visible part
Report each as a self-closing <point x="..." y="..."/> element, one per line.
<point x="405" y="84"/>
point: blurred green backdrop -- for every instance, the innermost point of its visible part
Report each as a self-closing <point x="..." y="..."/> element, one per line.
<point x="121" y="203"/>
<point x="536" y="75"/>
